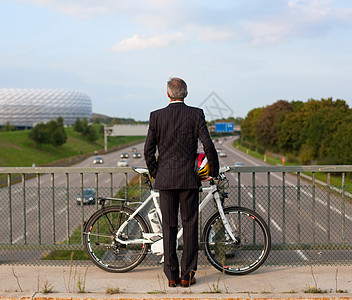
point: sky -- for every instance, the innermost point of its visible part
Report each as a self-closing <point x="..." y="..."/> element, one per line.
<point x="235" y="55"/>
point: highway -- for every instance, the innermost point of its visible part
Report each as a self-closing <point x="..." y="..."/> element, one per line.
<point x="295" y="215"/>
<point x="307" y="215"/>
<point x="52" y="227"/>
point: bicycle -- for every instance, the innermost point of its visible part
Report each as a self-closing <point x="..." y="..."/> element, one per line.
<point x="117" y="238"/>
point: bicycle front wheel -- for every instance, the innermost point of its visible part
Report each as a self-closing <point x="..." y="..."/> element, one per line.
<point x="252" y="246"/>
<point x="100" y="243"/>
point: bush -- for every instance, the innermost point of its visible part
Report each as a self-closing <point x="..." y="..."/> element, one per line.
<point x="52" y="133"/>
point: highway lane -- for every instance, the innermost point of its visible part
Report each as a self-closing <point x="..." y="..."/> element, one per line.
<point x="307" y="216"/>
<point x="53" y="226"/>
<point x="290" y="221"/>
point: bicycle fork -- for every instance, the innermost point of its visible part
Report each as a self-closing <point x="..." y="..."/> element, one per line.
<point x="223" y="217"/>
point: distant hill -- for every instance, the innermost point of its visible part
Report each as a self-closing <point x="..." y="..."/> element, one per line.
<point x="99" y="118"/>
<point x="17" y="150"/>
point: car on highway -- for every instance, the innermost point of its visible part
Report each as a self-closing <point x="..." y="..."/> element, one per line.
<point x="222" y="153"/>
<point x="98" y="160"/>
<point x="124" y="155"/>
<point x="137" y="155"/>
<point x="218" y="150"/>
<point x="122" y="163"/>
<point x="88" y="196"/>
<point x="238" y="164"/>
<point x="134" y="149"/>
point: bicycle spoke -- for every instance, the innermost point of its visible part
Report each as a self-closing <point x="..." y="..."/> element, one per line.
<point x="102" y="247"/>
<point x="251" y="248"/>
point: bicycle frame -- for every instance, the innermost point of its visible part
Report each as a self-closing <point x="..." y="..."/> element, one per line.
<point x="148" y="237"/>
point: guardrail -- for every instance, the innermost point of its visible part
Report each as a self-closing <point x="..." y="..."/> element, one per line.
<point x="310" y="221"/>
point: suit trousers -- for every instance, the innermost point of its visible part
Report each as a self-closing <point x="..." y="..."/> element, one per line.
<point x="170" y="201"/>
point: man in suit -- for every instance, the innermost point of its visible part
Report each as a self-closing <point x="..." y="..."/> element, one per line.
<point x="173" y="133"/>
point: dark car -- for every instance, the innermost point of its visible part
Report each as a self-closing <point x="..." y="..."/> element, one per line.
<point x="137" y="155"/>
<point x="124" y="155"/>
<point x="134" y="149"/>
<point x="88" y="196"/>
<point x="98" y="160"/>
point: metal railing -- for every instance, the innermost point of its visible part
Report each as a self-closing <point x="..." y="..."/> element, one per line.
<point x="310" y="221"/>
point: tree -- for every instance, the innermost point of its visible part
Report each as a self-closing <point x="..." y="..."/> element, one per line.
<point x="39" y="134"/>
<point x="90" y="133"/>
<point x="77" y="126"/>
<point x="322" y="119"/>
<point x="341" y="143"/>
<point x="290" y="136"/>
<point x="84" y="125"/>
<point x="249" y="125"/>
<point x="8" y="127"/>
<point x="57" y="132"/>
<point x="269" y="123"/>
<point x="52" y="132"/>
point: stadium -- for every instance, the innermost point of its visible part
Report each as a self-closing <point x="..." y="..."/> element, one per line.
<point x="24" y="108"/>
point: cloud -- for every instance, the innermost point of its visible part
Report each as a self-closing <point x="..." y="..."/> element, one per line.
<point x="252" y="22"/>
<point x="306" y="18"/>
<point x="139" y="42"/>
<point x="147" y="10"/>
<point x="213" y="34"/>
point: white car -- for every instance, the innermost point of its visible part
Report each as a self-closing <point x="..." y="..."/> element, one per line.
<point x="222" y="153"/>
<point x="122" y="163"/>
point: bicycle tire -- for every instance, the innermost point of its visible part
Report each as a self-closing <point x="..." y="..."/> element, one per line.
<point x="101" y="247"/>
<point x="252" y="249"/>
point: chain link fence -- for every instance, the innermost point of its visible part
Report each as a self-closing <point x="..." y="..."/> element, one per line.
<point x="310" y="222"/>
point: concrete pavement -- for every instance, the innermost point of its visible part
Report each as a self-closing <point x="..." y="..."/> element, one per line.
<point x="146" y="283"/>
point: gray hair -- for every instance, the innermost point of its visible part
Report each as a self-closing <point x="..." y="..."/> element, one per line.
<point x="176" y="88"/>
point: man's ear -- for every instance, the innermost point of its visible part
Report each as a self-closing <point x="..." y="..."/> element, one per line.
<point x="168" y="94"/>
<point x="186" y="94"/>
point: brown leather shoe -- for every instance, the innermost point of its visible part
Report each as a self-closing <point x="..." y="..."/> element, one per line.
<point x="174" y="283"/>
<point x="188" y="283"/>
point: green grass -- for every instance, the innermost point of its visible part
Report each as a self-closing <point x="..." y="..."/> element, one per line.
<point x="334" y="180"/>
<point x="75" y="238"/>
<point x="17" y="150"/>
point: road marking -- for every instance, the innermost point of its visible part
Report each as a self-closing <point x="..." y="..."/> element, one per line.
<point x="321" y="227"/>
<point x="19" y="238"/>
<point x="237" y="152"/>
<point x="271" y="220"/>
<point x="276" y="225"/>
<point x="333" y="208"/>
<point x="30" y="209"/>
<point x="62" y="210"/>
<point x="299" y="252"/>
<point x="241" y="155"/>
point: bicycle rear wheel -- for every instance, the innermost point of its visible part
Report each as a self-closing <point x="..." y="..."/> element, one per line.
<point x="253" y="245"/>
<point x="100" y="243"/>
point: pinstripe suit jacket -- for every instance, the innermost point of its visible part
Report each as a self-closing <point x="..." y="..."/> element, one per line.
<point x="173" y="133"/>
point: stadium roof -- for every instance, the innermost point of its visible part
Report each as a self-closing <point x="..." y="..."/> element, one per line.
<point x="28" y="107"/>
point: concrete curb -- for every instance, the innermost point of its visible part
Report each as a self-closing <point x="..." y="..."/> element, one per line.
<point x="89" y="296"/>
<point x="150" y="283"/>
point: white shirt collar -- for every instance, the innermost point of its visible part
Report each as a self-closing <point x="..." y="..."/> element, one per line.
<point x="176" y="101"/>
